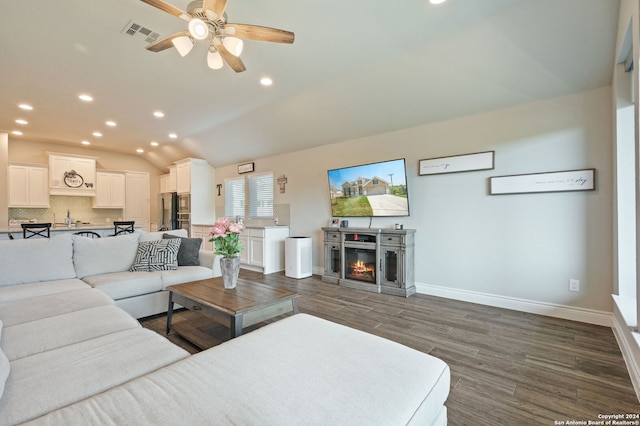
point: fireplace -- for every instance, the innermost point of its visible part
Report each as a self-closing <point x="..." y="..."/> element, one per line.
<point x="360" y="264"/>
<point x="378" y="260"/>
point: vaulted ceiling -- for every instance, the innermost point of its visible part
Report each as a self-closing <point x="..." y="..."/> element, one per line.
<point x="356" y="68"/>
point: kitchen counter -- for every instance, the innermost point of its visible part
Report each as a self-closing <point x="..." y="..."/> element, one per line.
<point x="102" y="229"/>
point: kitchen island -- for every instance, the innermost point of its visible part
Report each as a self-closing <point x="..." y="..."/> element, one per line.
<point x="104" y="230"/>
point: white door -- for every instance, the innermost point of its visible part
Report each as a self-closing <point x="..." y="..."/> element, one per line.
<point x="137" y="195"/>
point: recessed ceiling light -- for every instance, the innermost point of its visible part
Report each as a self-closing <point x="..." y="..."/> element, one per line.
<point x="21" y="121"/>
<point x="158" y="114"/>
<point x="266" y="81"/>
<point x="97" y="134"/>
<point x="140" y="150"/>
<point x="154" y="143"/>
<point x="111" y="123"/>
<point x="85" y="143"/>
<point x="25" y="107"/>
<point x="173" y="135"/>
<point x="437" y="1"/>
<point x="85" y="97"/>
<point x="17" y="133"/>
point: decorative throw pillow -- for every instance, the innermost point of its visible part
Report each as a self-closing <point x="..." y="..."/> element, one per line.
<point x="4" y="367"/>
<point x="189" y="250"/>
<point x="159" y="255"/>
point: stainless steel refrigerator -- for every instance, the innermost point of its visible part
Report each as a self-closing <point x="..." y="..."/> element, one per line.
<point x="168" y="211"/>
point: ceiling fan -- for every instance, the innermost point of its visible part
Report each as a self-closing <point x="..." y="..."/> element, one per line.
<point x="208" y="21"/>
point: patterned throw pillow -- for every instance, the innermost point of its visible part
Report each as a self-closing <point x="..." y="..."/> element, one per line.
<point x="159" y="255"/>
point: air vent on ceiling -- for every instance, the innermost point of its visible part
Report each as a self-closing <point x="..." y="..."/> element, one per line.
<point x="138" y="31"/>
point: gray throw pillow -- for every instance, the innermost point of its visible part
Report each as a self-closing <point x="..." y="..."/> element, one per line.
<point x="189" y="250"/>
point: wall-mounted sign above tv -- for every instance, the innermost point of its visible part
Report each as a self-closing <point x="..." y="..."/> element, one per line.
<point x="369" y="190"/>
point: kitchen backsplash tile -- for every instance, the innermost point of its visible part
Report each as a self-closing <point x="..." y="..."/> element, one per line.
<point x="79" y="207"/>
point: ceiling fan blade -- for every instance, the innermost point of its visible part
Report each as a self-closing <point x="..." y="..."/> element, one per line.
<point x="170" y="9"/>
<point x="257" y="33"/>
<point x="233" y="61"/>
<point x="165" y="43"/>
<point x="217" y="6"/>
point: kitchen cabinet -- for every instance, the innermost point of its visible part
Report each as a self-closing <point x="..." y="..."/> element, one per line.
<point x="72" y="175"/>
<point x="183" y="177"/>
<point x="172" y="180"/>
<point x="202" y="231"/>
<point x="263" y="248"/>
<point x="28" y="186"/>
<point x="110" y="191"/>
<point x="164" y="182"/>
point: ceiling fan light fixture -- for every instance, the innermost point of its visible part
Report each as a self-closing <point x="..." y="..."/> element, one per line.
<point x="183" y="45"/>
<point x="234" y="45"/>
<point x="214" y="60"/>
<point x="198" y="29"/>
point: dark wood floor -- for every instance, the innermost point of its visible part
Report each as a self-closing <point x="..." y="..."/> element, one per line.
<point x="507" y="367"/>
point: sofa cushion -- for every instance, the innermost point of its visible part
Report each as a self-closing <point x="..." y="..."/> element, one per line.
<point x="92" y="256"/>
<point x="54" y="379"/>
<point x="11" y="293"/>
<point x="160" y="255"/>
<point x="154" y="236"/>
<point x="5" y="367"/>
<point x="51" y="305"/>
<point x="36" y="259"/>
<point x="184" y="274"/>
<point x="119" y="285"/>
<point x="43" y="335"/>
<point x="189" y="249"/>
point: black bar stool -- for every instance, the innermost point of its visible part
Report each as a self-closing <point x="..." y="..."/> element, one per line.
<point x="30" y="230"/>
<point x="123" y="227"/>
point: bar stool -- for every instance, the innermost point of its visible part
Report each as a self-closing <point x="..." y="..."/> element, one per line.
<point x="123" y="227"/>
<point x="89" y="234"/>
<point x="30" y="230"/>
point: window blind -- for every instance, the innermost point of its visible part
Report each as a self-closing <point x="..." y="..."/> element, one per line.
<point x="261" y="195"/>
<point x="234" y="197"/>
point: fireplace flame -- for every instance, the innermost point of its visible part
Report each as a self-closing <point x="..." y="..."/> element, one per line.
<point x="360" y="269"/>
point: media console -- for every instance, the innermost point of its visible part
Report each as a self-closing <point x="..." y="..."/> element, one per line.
<point x="377" y="260"/>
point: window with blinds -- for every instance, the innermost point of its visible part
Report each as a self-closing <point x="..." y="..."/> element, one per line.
<point x="261" y="195"/>
<point x="234" y="203"/>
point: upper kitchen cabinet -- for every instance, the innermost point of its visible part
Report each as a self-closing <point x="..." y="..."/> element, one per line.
<point x="72" y="175"/>
<point x="28" y="186"/>
<point x="110" y="190"/>
<point x="172" y="185"/>
<point x="168" y="181"/>
<point x="183" y="175"/>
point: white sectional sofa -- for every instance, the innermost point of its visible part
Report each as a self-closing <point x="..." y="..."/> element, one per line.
<point x="70" y="355"/>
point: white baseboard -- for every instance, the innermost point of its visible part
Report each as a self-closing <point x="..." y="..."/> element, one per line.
<point x="626" y="342"/>
<point x="573" y="313"/>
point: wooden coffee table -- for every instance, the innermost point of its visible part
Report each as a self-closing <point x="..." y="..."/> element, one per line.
<point x="248" y="304"/>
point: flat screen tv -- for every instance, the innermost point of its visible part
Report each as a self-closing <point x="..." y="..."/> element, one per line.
<point x="369" y="190"/>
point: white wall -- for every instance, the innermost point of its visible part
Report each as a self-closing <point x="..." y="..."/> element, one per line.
<point x="468" y="243"/>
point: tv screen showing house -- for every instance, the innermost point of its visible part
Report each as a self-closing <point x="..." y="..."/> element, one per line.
<point x="375" y="189"/>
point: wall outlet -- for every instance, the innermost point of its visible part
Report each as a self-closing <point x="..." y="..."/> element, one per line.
<point x="574" y="285"/>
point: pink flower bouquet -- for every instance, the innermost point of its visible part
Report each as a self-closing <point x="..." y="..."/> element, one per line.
<point x="225" y="234"/>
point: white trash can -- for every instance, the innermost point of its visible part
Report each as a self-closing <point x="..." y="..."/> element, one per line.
<point x="297" y="257"/>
